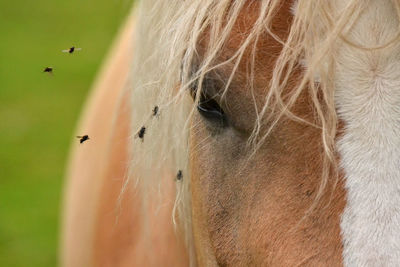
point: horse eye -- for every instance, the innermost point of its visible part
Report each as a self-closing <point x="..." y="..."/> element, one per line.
<point x="211" y="110"/>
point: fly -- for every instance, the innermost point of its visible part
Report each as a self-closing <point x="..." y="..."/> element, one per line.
<point x="83" y="138"/>
<point x="71" y="50"/>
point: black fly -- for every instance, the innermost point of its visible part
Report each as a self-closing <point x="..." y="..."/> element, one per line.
<point x="155" y="111"/>
<point x="179" y="176"/>
<point x="48" y="69"/>
<point x="141" y="133"/>
<point x="71" y="50"/>
<point x="83" y="138"/>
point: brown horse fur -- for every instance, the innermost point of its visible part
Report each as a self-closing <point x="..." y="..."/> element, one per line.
<point x="254" y="215"/>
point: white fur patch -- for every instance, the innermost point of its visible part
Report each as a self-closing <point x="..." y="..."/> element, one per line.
<point x="368" y="101"/>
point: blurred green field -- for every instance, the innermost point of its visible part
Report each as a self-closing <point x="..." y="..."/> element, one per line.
<point x="38" y="112"/>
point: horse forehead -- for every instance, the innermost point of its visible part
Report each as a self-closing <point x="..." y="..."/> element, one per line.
<point x="251" y="11"/>
<point x="267" y="48"/>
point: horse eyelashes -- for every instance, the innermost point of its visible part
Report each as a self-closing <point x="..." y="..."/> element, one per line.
<point x="208" y="106"/>
<point x="210" y="109"/>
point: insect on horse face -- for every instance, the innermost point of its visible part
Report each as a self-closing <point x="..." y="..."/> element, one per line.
<point x="83" y="138"/>
<point x="155" y="111"/>
<point x="141" y="133"/>
<point x="246" y="210"/>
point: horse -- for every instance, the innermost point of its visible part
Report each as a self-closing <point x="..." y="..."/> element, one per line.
<point x="242" y="133"/>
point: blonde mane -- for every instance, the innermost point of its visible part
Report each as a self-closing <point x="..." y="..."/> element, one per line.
<point x="167" y="36"/>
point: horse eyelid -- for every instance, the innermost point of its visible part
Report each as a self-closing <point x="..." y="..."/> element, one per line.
<point x="210" y="109"/>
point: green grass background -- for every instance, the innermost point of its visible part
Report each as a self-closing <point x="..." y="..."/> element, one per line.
<point x="38" y="112"/>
